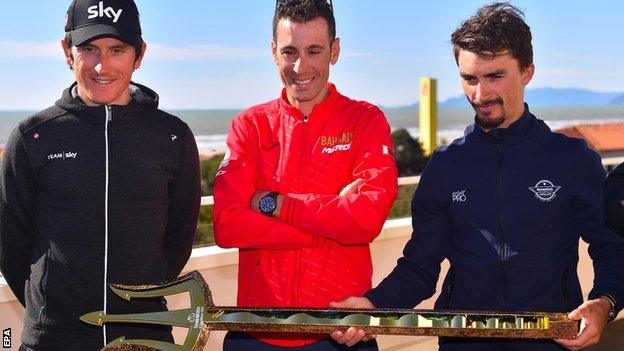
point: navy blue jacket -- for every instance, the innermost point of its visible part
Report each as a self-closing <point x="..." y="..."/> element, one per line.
<point x="507" y="209"/>
<point x="614" y="200"/>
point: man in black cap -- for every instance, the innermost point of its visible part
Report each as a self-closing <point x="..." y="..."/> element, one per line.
<point x="100" y="188"/>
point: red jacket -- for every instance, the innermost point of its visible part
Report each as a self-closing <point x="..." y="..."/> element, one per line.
<point x="317" y="251"/>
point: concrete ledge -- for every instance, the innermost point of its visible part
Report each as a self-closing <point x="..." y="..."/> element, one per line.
<point x="215" y="257"/>
<point x="6" y="295"/>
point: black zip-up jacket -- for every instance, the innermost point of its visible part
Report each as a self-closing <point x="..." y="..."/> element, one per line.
<point x="614" y="200"/>
<point x="507" y="209"/>
<point x="77" y="181"/>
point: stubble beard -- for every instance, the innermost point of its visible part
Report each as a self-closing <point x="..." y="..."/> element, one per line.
<point x="489" y="121"/>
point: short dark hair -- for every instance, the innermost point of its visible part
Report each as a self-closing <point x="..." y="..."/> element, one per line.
<point x="138" y="48"/>
<point x="302" y="11"/>
<point x="495" y="28"/>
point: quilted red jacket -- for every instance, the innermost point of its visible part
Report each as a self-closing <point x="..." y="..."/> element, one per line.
<point x="317" y="251"/>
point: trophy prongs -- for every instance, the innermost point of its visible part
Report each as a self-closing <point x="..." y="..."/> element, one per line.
<point x="191" y="318"/>
<point x="93" y="318"/>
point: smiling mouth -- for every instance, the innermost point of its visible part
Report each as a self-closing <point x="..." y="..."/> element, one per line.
<point x="103" y="81"/>
<point x="302" y="81"/>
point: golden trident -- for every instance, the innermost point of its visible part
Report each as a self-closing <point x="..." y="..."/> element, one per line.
<point x="203" y="316"/>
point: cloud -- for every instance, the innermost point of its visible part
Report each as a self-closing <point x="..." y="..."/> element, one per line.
<point x="224" y="53"/>
<point x="31" y="50"/>
<point x="204" y="52"/>
<point x="157" y="51"/>
<point x="560" y="72"/>
<point x="357" y="54"/>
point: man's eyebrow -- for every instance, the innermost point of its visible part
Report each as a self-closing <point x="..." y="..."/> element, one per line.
<point x="497" y="72"/>
<point x="288" y="47"/>
<point x="316" y="47"/>
<point x="466" y="75"/>
<point x="121" y="46"/>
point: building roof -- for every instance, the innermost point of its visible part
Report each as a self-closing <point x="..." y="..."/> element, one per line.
<point x="600" y="137"/>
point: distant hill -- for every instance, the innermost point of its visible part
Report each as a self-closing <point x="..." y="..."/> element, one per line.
<point x="618" y="100"/>
<point x="556" y="97"/>
<point x="567" y="97"/>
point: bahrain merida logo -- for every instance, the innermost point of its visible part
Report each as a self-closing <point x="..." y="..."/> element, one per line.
<point x="545" y="190"/>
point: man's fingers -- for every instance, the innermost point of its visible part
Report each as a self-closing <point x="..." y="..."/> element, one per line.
<point x="349" y="337"/>
<point x="352" y="302"/>
<point x="569" y="344"/>
<point x="337" y="335"/>
<point x="577" y="314"/>
<point x="346" y="303"/>
<point x="352" y="335"/>
<point x="588" y="336"/>
<point x="368" y="337"/>
<point x="351" y="188"/>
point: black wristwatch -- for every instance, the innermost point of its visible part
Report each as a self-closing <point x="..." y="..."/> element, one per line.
<point x="612" y="314"/>
<point x="268" y="203"/>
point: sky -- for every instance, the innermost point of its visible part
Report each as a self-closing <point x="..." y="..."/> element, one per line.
<point x="213" y="54"/>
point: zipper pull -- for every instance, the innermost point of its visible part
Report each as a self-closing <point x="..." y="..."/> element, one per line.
<point x="110" y="112"/>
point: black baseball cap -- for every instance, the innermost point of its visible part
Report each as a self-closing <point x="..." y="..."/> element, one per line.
<point x="89" y="19"/>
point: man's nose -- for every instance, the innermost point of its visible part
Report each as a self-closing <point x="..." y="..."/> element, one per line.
<point x="103" y="64"/>
<point x="299" y="64"/>
<point x="483" y="92"/>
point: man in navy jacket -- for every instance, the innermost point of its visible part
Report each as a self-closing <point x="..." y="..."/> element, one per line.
<point x="614" y="200"/>
<point x="506" y="204"/>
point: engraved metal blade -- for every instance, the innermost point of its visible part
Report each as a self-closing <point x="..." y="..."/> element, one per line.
<point x="203" y="316"/>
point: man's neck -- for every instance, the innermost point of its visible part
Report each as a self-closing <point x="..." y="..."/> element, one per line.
<point x="307" y="106"/>
<point x="126" y="98"/>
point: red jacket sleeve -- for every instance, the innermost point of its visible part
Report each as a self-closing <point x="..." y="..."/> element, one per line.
<point x="356" y="218"/>
<point x="235" y="224"/>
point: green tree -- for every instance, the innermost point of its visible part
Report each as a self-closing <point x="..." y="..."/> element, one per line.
<point x="208" y="169"/>
<point x="205" y="234"/>
<point x="408" y="153"/>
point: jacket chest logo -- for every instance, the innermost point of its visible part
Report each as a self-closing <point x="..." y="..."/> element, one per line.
<point x="63" y="155"/>
<point x="332" y="144"/>
<point x="545" y="190"/>
<point x="459" y="196"/>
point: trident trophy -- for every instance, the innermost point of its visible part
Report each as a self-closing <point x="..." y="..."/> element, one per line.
<point x="203" y="316"/>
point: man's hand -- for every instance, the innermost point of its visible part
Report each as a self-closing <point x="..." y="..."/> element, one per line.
<point x="254" y="204"/>
<point x="352" y="335"/>
<point x="593" y="315"/>
<point x="351" y="188"/>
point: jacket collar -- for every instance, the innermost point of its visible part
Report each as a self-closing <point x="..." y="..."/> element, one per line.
<point x="318" y="109"/>
<point x="516" y="132"/>
<point x="143" y="98"/>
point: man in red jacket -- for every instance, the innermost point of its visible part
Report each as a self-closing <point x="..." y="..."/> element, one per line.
<point x="306" y="184"/>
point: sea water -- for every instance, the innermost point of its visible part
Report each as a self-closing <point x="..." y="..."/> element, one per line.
<point x="210" y="126"/>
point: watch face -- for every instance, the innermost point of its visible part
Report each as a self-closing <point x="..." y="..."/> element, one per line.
<point x="267" y="204"/>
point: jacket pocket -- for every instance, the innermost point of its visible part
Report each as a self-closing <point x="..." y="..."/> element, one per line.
<point x="36" y="290"/>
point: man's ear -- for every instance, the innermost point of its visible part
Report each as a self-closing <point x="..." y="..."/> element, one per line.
<point x="274" y="51"/>
<point x="527" y="74"/>
<point x="335" y="51"/>
<point x="139" y="60"/>
<point x="69" y="58"/>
